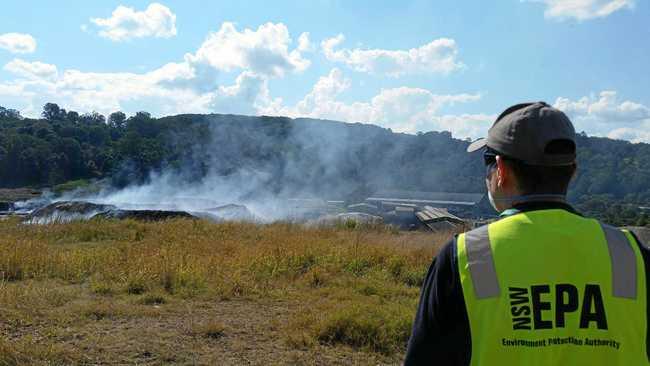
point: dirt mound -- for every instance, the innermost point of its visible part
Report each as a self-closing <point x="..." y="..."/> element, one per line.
<point x="145" y="215"/>
<point x="231" y="212"/>
<point x="66" y="211"/>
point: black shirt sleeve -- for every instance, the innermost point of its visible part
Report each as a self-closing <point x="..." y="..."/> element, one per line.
<point x="645" y="253"/>
<point x="441" y="334"/>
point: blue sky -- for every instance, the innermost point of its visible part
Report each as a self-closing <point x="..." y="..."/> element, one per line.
<point x="407" y="65"/>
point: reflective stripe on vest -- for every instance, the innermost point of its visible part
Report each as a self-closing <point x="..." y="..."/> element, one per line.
<point x="623" y="263"/>
<point x="486" y="283"/>
<point x="481" y="263"/>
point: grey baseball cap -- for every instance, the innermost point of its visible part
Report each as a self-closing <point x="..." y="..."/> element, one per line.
<point x="526" y="131"/>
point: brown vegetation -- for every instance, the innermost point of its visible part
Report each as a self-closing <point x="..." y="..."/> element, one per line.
<point x="18" y="194"/>
<point x="194" y="292"/>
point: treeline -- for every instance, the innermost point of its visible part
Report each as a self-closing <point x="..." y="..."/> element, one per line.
<point x="290" y="157"/>
<point x="62" y="146"/>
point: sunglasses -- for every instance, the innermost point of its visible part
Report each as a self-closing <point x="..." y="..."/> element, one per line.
<point x="489" y="158"/>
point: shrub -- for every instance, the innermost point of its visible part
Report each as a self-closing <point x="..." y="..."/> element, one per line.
<point x="358" y="266"/>
<point x="102" y="288"/>
<point x="153" y="299"/>
<point x="210" y="329"/>
<point x="316" y="277"/>
<point x="136" y="285"/>
<point x="415" y="277"/>
<point x="383" y="329"/>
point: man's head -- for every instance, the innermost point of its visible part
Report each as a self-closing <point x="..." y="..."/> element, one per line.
<point x="529" y="154"/>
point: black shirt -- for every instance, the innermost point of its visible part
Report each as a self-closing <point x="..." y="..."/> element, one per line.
<point x="441" y="333"/>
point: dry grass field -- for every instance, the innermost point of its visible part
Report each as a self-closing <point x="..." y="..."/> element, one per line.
<point x="190" y="292"/>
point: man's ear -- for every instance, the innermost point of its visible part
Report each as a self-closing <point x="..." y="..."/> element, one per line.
<point x="503" y="174"/>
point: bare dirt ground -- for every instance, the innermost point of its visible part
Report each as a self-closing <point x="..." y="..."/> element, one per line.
<point x="97" y="331"/>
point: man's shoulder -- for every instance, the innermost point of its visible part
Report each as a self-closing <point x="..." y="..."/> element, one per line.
<point x="479" y="229"/>
<point x="481" y="232"/>
<point x="446" y="257"/>
<point x="643" y="247"/>
<point x="448" y="250"/>
<point x="640" y="234"/>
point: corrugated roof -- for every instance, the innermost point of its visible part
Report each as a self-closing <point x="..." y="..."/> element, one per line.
<point x="429" y="214"/>
<point x="392" y="203"/>
<point x="401" y="195"/>
<point x="420" y="201"/>
<point x="440" y="226"/>
<point x="362" y="205"/>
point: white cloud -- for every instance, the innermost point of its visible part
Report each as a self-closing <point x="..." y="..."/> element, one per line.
<point x="604" y="108"/>
<point x="584" y="9"/>
<point x="248" y="95"/>
<point x="438" y="56"/>
<point x="605" y="115"/>
<point x="31" y="70"/>
<point x="177" y="87"/>
<point x="126" y="23"/>
<point x="321" y="101"/>
<point x="641" y="134"/>
<point x="466" y="125"/>
<point x="190" y="86"/>
<point x="401" y="109"/>
<point x="264" y="51"/>
<point x="304" y="44"/>
<point x="17" y="42"/>
<point x="38" y="83"/>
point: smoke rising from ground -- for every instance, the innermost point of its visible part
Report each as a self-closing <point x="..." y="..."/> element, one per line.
<point x="262" y="162"/>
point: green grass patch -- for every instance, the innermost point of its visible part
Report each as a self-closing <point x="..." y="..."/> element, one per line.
<point x="361" y="324"/>
<point x="70" y="186"/>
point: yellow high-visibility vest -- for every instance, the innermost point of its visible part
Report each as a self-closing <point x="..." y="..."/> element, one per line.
<point x="550" y="287"/>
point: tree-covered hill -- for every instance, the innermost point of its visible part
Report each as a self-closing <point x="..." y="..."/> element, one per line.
<point x="290" y="157"/>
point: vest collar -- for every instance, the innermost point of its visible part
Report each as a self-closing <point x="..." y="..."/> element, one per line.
<point x="538" y="205"/>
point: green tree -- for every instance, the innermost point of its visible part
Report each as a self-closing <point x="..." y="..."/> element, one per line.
<point x="117" y="120"/>
<point x="72" y="116"/>
<point x="643" y="220"/>
<point x="9" y="113"/>
<point x="93" y="118"/>
<point x="52" y="112"/>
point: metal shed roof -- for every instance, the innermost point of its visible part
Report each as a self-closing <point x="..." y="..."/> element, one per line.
<point x="429" y="214"/>
<point x="432" y="197"/>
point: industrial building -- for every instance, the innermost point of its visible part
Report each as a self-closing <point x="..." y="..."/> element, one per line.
<point x="408" y="210"/>
<point x="472" y="205"/>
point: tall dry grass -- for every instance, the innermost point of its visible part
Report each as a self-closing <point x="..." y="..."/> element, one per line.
<point x="356" y="286"/>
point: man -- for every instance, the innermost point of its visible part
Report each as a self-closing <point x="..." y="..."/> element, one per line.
<point x="542" y="285"/>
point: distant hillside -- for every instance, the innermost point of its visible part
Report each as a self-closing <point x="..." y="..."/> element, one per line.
<point x="290" y="157"/>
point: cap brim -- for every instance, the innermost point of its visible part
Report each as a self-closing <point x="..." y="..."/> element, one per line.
<point x="477" y="145"/>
